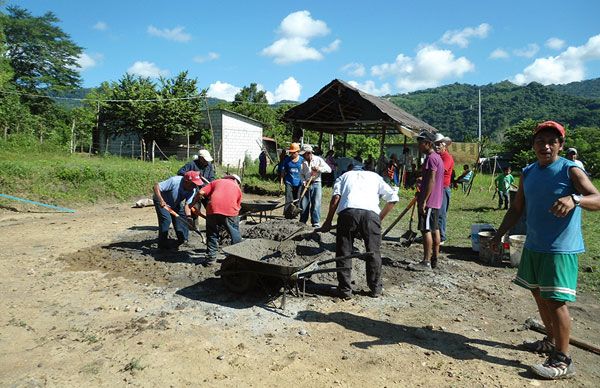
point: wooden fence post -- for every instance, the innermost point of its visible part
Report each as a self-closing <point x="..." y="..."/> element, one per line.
<point x="132" y="148"/>
<point x="153" y="145"/>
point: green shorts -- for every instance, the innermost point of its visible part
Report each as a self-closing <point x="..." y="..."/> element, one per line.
<point x="555" y="274"/>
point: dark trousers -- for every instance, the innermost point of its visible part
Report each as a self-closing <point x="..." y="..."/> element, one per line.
<point x="503" y="196"/>
<point x="291" y="193"/>
<point x="365" y="224"/>
<point x="213" y="221"/>
<point x="164" y="221"/>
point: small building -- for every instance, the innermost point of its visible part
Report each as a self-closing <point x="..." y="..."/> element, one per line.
<point x="236" y="137"/>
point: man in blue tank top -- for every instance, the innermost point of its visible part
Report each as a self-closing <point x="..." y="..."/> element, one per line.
<point x="552" y="192"/>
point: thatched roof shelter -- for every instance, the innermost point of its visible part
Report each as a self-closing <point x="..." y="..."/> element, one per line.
<point x="339" y="109"/>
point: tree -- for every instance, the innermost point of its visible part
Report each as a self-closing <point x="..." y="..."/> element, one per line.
<point x="517" y="141"/>
<point x="42" y="55"/>
<point x="250" y="94"/>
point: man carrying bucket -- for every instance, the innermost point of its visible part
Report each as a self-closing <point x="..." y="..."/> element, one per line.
<point x="552" y="192"/>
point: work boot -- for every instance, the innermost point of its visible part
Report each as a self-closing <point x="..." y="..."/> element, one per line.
<point x="163" y="240"/>
<point x="422" y="266"/>
<point x="557" y="366"/>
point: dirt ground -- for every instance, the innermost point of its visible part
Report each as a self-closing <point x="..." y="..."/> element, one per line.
<point x="87" y="300"/>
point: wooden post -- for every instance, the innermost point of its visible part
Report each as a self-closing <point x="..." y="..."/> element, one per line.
<point x="106" y="149"/>
<point x="153" y="145"/>
<point x="187" y="132"/>
<point x="120" y="147"/>
<point x="132" y="148"/>
<point x="72" y="135"/>
<point x="143" y="149"/>
<point x="380" y="166"/>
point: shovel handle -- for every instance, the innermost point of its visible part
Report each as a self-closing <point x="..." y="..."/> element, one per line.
<point x="410" y="205"/>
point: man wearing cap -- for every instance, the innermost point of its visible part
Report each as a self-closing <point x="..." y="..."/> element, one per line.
<point x="429" y="201"/>
<point x="312" y="168"/>
<point x="441" y="147"/>
<point x="355" y="198"/>
<point x="572" y="155"/>
<point x="224" y="198"/>
<point x="170" y="194"/>
<point x="552" y="191"/>
<point x="289" y="173"/>
<point x="203" y="164"/>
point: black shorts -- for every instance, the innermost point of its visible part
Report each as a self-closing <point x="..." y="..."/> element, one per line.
<point x="429" y="221"/>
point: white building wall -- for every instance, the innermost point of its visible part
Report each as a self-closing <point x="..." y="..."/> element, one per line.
<point x="240" y="138"/>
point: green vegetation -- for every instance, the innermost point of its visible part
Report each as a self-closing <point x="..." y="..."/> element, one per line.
<point x="453" y="109"/>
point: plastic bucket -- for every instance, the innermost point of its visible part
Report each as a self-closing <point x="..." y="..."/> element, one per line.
<point x="475" y="229"/>
<point x="486" y="254"/>
<point x="516" y="243"/>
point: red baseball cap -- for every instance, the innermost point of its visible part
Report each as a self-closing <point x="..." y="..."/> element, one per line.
<point x="194" y="177"/>
<point x="550" y="124"/>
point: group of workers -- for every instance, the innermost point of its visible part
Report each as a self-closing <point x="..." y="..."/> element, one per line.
<point x="552" y="191"/>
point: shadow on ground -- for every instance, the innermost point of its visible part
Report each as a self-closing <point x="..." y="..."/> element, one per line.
<point x="450" y="344"/>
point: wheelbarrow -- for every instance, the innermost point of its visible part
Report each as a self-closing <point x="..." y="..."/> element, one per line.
<point x="246" y="263"/>
<point x="261" y="207"/>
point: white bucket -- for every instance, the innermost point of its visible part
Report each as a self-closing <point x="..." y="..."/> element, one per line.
<point x="475" y="229"/>
<point x="516" y="242"/>
<point x="487" y="254"/>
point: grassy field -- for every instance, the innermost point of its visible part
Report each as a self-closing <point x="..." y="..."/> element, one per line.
<point x="76" y="180"/>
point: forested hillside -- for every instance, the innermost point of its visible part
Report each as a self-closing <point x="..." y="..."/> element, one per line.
<point x="453" y="108"/>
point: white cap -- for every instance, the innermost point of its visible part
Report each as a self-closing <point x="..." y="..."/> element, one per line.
<point x="572" y="151"/>
<point x="234" y="176"/>
<point x="204" y="154"/>
<point x="307" y="148"/>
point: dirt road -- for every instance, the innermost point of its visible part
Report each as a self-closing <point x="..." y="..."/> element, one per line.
<point x="88" y="301"/>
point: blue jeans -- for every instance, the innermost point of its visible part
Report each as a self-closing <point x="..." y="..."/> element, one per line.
<point x="213" y="221"/>
<point x="503" y="197"/>
<point x="164" y="221"/>
<point x="311" y="204"/>
<point x="291" y="193"/>
<point x="442" y="216"/>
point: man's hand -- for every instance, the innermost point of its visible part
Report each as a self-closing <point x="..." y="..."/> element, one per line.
<point x="163" y="203"/>
<point x="496" y="242"/>
<point x="562" y="206"/>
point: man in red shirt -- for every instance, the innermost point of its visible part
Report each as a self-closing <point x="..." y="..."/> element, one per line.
<point x="224" y="202"/>
<point x="441" y="147"/>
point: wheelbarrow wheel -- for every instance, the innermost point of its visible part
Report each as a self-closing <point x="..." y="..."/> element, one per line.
<point x="234" y="276"/>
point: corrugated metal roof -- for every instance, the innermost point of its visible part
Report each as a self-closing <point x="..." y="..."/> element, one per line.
<point x="341" y="108"/>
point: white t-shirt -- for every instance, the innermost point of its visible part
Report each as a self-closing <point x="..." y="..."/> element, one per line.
<point x="359" y="189"/>
<point x="315" y="161"/>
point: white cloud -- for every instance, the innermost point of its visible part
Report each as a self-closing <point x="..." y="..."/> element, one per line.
<point x="528" y="51"/>
<point x="296" y="30"/>
<point x="289" y="89"/>
<point x="301" y="25"/>
<point x="461" y="37"/>
<point x="100" y="26"/>
<point x="333" y="46"/>
<point x="147" y="69"/>
<point x="555" y="43"/>
<point x="290" y="50"/>
<point x="206" y="58"/>
<point x="499" y="54"/>
<point x="427" y="69"/>
<point x="370" y="87"/>
<point x="176" y="34"/>
<point x="568" y="66"/>
<point x="223" y="90"/>
<point x="354" y="69"/>
<point x="86" y="61"/>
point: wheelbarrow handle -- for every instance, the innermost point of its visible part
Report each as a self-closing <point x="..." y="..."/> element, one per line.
<point x="300" y="275"/>
<point x="361" y="256"/>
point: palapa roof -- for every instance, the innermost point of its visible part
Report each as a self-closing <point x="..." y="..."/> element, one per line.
<point x="340" y="108"/>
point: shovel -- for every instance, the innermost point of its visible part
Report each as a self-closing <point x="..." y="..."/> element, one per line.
<point x="190" y="225"/>
<point x="293" y="210"/>
<point x="410" y="235"/>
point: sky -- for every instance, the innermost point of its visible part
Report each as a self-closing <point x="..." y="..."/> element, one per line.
<point x="291" y="49"/>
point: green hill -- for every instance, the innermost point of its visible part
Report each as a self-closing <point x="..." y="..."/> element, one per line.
<point x="453" y="109"/>
<point x="589" y="88"/>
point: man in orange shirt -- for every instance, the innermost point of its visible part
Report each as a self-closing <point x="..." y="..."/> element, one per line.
<point x="224" y="202"/>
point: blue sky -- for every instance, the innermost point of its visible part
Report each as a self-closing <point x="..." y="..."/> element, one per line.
<point x="293" y="48"/>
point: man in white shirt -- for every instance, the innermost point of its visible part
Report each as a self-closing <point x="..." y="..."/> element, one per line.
<point x="572" y="156"/>
<point x="355" y="198"/>
<point x="312" y="167"/>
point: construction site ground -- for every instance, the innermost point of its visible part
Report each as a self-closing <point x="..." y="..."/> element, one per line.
<point x="88" y="300"/>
